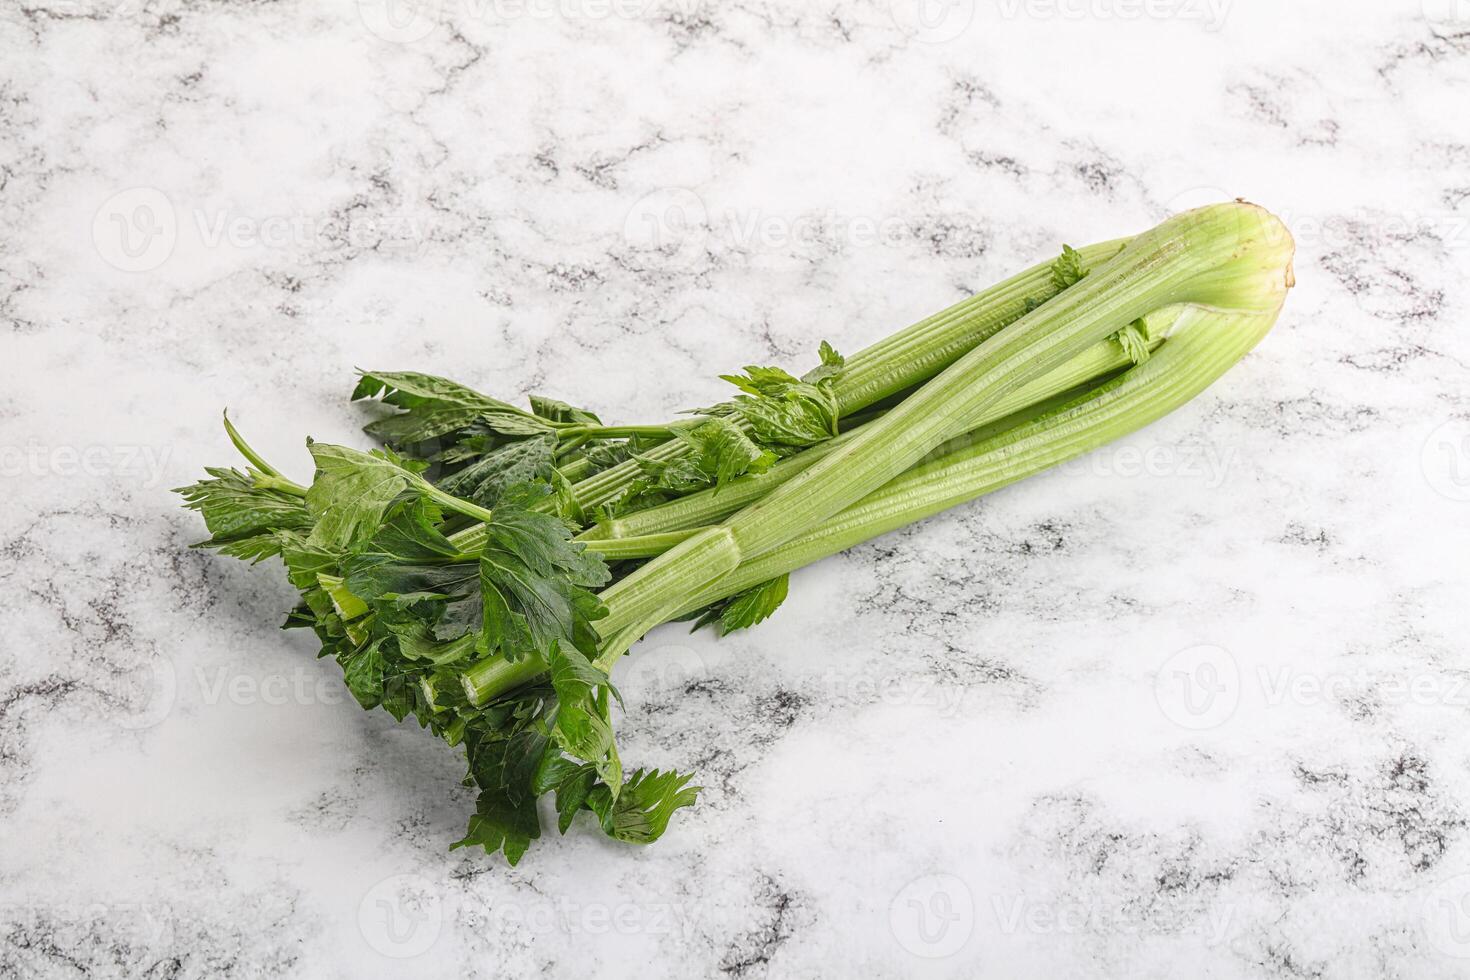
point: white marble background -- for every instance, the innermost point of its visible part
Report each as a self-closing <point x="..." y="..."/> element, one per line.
<point x="1195" y="706"/>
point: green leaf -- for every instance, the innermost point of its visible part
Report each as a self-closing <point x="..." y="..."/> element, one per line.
<point x="534" y="584"/>
<point x="305" y="561"/>
<point x="568" y="507"/>
<point x="1134" y="341"/>
<point x="410" y="563"/>
<point x="572" y="794"/>
<point x="410" y="532"/>
<point x="484" y="481"/>
<point x="514" y="422"/>
<point x="802" y="415"/>
<point x="243" y="519"/>
<point x="363" y="672"/>
<point x="433" y="407"/>
<point x="745" y="609"/>
<point x="398" y="698"/>
<point x="559" y="411"/>
<point x="416" y="642"/>
<point x="830" y="368"/>
<point x="1068" y="270"/>
<point x="603" y="455"/>
<point x="718" y="453"/>
<point x="679" y="475"/>
<point x="448" y="594"/>
<point x="645" y="803"/>
<point x="351" y="492"/>
<point x="505" y="770"/>
<point x="724" y="452"/>
<point x="782" y="412"/>
<point x="761" y="381"/>
<point x="582" y="727"/>
<point x="574" y="677"/>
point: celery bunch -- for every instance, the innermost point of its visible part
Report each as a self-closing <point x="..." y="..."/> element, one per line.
<point x="485" y="569"/>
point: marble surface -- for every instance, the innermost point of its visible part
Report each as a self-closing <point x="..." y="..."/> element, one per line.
<point x="1196" y="705"/>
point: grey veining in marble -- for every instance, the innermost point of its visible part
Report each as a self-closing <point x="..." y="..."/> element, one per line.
<point x="1196" y="705"/>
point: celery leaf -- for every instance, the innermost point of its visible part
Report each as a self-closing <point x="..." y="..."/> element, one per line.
<point x="243" y="519"/>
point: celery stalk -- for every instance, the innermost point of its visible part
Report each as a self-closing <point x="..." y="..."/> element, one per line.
<point x="897" y="362"/>
<point x="1235" y="256"/>
<point x="1219" y="273"/>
